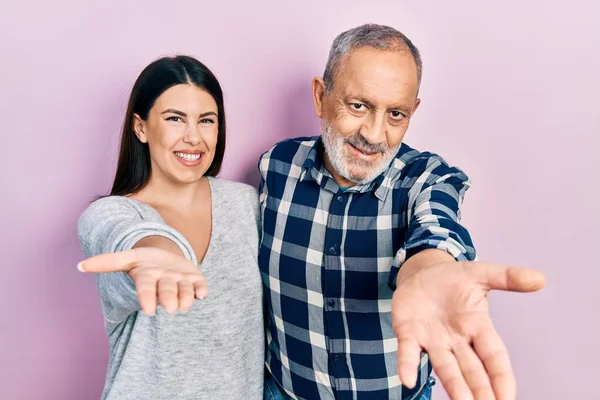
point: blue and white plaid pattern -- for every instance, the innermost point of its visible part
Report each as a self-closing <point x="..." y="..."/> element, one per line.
<point x="329" y="258"/>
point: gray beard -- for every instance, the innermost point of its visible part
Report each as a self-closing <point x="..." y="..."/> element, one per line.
<point x="334" y="143"/>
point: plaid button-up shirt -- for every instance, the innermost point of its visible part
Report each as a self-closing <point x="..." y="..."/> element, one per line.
<point x="329" y="258"/>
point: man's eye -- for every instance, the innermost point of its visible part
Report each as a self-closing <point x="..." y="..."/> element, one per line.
<point x="358" y="106"/>
<point x="397" y="114"/>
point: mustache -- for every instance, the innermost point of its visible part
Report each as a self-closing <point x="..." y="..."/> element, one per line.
<point x="357" y="140"/>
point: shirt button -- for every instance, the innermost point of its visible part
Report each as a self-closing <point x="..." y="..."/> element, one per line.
<point x="332" y="250"/>
<point x="337" y="357"/>
<point x="340" y="198"/>
<point x="331" y="303"/>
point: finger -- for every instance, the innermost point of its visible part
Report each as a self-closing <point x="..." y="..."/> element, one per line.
<point x="492" y="352"/>
<point x="200" y="286"/>
<point x="186" y="295"/>
<point x="446" y="368"/>
<point x="168" y="293"/>
<point x="145" y="286"/>
<point x="110" y="262"/>
<point x="514" y="279"/>
<point x="409" y="359"/>
<point x="125" y="260"/>
<point x="473" y="371"/>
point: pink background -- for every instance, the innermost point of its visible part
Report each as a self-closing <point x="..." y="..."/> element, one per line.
<point x="510" y="94"/>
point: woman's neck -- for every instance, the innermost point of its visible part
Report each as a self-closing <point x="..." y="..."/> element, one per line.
<point x="178" y="196"/>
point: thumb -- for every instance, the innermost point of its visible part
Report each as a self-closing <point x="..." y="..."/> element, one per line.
<point x="513" y="279"/>
<point x="109" y="262"/>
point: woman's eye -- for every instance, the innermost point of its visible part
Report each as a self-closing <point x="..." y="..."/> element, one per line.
<point x="174" y="119"/>
<point x="207" y="121"/>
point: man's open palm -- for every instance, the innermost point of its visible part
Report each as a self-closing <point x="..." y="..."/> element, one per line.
<point x="443" y="309"/>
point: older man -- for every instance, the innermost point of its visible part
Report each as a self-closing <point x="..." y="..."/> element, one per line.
<point x="364" y="261"/>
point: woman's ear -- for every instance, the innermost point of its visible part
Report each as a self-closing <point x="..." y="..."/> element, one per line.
<point x="139" y="128"/>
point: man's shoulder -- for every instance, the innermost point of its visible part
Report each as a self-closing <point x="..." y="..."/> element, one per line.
<point x="289" y="150"/>
<point x="419" y="163"/>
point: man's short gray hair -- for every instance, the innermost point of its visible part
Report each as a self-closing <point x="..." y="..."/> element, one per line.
<point x="369" y="35"/>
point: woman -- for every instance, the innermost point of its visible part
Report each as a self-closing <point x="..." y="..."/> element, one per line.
<point x="188" y="243"/>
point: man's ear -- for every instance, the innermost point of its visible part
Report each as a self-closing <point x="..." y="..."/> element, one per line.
<point x="417" y="103"/>
<point x="318" y="91"/>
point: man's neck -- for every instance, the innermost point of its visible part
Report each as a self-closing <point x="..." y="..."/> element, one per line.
<point x="340" y="180"/>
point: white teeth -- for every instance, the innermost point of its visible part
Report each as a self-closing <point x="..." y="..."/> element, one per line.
<point x="188" y="157"/>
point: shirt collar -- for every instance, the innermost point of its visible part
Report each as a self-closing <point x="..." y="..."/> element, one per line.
<point x="313" y="168"/>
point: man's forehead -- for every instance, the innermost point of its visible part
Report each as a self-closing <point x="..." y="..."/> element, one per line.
<point x="364" y="57"/>
<point x="374" y="73"/>
<point x="386" y="93"/>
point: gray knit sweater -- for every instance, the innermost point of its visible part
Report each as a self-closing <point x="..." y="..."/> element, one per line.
<point x="214" y="351"/>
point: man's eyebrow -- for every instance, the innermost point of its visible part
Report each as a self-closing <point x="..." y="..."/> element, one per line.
<point x="361" y="100"/>
<point x="369" y="104"/>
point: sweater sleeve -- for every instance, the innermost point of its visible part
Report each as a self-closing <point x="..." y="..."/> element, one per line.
<point x="114" y="224"/>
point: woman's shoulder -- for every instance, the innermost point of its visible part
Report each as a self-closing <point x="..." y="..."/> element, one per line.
<point x="111" y="206"/>
<point x="231" y="188"/>
<point x="239" y="201"/>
